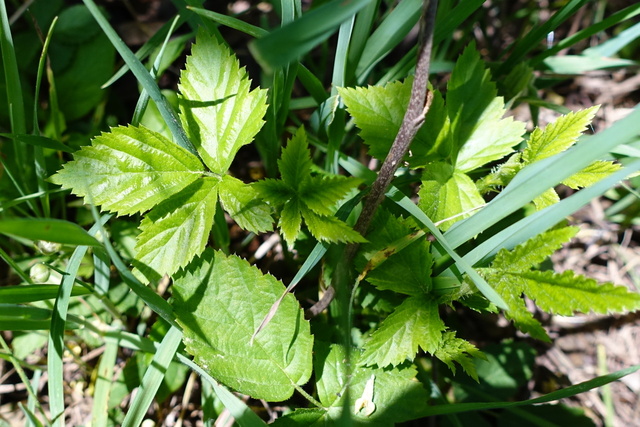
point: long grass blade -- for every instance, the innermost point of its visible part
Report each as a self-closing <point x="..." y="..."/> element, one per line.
<point x="104" y="381"/>
<point x="145" y="79"/>
<point x="153" y="377"/>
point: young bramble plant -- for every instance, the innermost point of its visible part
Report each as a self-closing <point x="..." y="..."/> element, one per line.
<point x="220" y="300"/>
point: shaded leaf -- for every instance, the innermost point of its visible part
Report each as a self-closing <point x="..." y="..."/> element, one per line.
<point x="241" y="201"/>
<point x="330" y="228"/>
<point x="219" y="301"/>
<point x="178" y="229"/>
<point x="454" y="349"/>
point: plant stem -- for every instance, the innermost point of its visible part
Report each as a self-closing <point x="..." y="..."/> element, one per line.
<point x="413" y="119"/>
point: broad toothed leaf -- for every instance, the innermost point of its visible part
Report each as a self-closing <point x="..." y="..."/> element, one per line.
<point x="129" y="170"/>
<point x="454" y="349"/>
<point x="535" y="250"/>
<point x="415" y="323"/>
<point x="378" y="112"/>
<point x="320" y="193"/>
<point x="329" y="228"/>
<point x="275" y="191"/>
<point x="241" y="202"/>
<point x="218" y="109"/>
<point x="557" y="136"/>
<point x="178" y="229"/>
<point x="219" y="301"/>
<point x="477" y="126"/>
<point x="447" y="193"/>
<point x="567" y="293"/>
<point x="290" y="221"/>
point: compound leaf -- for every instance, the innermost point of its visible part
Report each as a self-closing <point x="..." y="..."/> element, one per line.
<point x="591" y="174"/>
<point x="219" y="110"/>
<point x="219" y="301"/>
<point x="129" y="170"/>
<point x="329" y="228"/>
<point x="295" y="162"/>
<point x="178" y="229"/>
<point x="320" y="193"/>
<point x="415" y="323"/>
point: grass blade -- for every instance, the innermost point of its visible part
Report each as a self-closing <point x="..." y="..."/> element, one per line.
<point x="153" y="377"/>
<point x="56" y="336"/>
<point x="99" y="412"/>
<point x="51" y="230"/>
<point x="288" y="43"/>
<point x="230" y="22"/>
<point x="145" y="79"/>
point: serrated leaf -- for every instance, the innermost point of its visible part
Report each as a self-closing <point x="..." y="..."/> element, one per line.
<point x="290" y="221"/>
<point x="557" y="136"/>
<point x="479" y="133"/>
<point x="397" y="396"/>
<point x="546" y="199"/>
<point x="129" y="170"/>
<point x="454" y="349"/>
<point x="275" y="191"/>
<point x="447" y="193"/>
<point x="591" y="174"/>
<point x="407" y="272"/>
<point x="378" y="112"/>
<point x="178" y="229"/>
<point x="535" y="250"/>
<point x="219" y="301"/>
<point x="567" y="293"/>
<point x="219" y="110"/>
<point x="295" y="162"/>
<point x="242" y="203"/>
<point x="329" y="228"/>
<point x="511" y="293"/>
<point x="415" y="323"/>
<point x="320" y="193"/>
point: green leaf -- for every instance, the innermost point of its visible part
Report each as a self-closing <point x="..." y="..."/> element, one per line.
<point x="546" y="199"/>
<point x="415" y="323"/>
<point x="378" y="112"/>
<point x="591" y="174"/>
<point x="446" y="192"/>
<point x="313" y="198"/>
<point x="219" y="110"/>
<point x="397" y="396"/>
<point x="407" y="272"/>
<point x="220" y="301"/>
<point x="129" y="170"/>
<point x="454" y="349"/>
<point x="329" y="228"/>
<point x="567" y="293"/>
<point x="557" y="136"/>
<point x="478" y="130"/>
<point x="535" y="250"/>
<point x="241" y="201"/>
<point x="320" y="193"/>
<point x="178" y="229"/>
<point x="295" y="163"/>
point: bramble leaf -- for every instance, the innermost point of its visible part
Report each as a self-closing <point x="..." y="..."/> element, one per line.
<point x="178" y="229"/>
<point x="378" y="112"/>
<point x="219" y="301"/>
<point x="218" y="109"/>
<point x="415" y="323"/>
<point x="242" y="203"/>
<point x="591" y="174"/>
<point x="447" y="193"/>
<point x="303" y="196"/>
<point x="454" y="349"/>
<point x="129" y="170"/>
<point x="478" y="130"/>
<point x="557" y="136"/>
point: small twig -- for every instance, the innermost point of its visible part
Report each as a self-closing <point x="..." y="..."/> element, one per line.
<point x="413" y="119"/>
